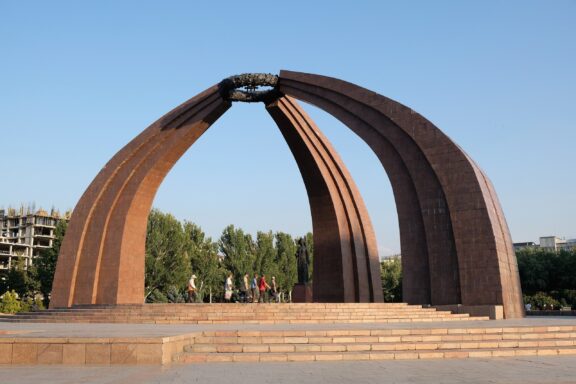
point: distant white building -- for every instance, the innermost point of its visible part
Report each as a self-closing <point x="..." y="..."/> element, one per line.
<point x="24" y="233"/>
<point x="554" y="243"/>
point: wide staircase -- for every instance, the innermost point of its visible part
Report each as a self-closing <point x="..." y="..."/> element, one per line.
<point x="242" y="314"/>
<point x="294" y="332"/>
<point x="379" y="344"/>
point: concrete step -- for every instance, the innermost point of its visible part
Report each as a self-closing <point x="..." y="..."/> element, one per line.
<point x="384" y="336"/>
<point x="187" y="321"/>
<point x="243" y="314"/>
<point x="344" y="346"/>
<point x="249" y="313"/>
<point x="227" y="316"/>
<point x="373" y="355"/>
<point x="377" y="344"/>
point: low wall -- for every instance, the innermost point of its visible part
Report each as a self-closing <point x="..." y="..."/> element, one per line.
<point x="89" y="350"/>
<point x="495" y="312"/>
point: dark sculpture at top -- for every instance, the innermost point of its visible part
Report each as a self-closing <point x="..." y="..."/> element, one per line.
<point x="248" y="87"/>
<point x="303" y="258"/>
<point x="456" y="246"/>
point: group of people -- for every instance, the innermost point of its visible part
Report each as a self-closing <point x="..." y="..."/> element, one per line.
<point x="255" y="290"/>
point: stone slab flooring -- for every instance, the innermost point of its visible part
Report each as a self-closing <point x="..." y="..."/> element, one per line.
<point x="525" y="370"/>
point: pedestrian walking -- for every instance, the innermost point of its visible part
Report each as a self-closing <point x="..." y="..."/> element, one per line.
<point x="274" y="290"/>
<point x="192" y="289"/>
<point x="254" y="288"/>
<point x="262" y="287"/>
<point x="228" y="288"/>
<point x="245" y="288"/>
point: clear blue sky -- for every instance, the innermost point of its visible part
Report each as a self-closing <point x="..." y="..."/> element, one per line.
<point x="79" y="79"/>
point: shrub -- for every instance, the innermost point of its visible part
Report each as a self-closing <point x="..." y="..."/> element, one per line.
<point x="31" y="305"/>
<point x="541" y="300"/>
<point x="174" y="295"/>
<point x="10" y="303"/>
<point x="156" y="297"/>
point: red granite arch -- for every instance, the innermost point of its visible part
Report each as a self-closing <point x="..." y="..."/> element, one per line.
<point x="343" y="236"/>
<point x="456" y="246"/>
<point x="101" y="260"/>
<point x="102" y="257"/>
<point x="468" y="245"/>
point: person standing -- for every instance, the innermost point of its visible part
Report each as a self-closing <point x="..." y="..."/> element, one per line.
<point x="192" y="289"/>
<point x="263" y="286"/>
<point x="228" y="288"/>
<point x="274" y="290"/>
<point x="245" y="288"/>
<point x="254" y="288"/>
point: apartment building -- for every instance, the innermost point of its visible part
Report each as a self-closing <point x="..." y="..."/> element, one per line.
<point x="24" y="233"/>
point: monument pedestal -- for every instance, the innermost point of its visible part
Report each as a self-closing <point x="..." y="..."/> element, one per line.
<point x="302" y="293"/>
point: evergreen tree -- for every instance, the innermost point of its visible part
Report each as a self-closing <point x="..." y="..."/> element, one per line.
<point x="265" y="263"/>
<point x="238" y="249"/>
<point x="205" y="263"/>
<point x="310" y="247"/>
<point x="167" y="260"/>
<point x="287" y="266"/>
<point x="391" y="273"/>
<point x="20" y="280"/>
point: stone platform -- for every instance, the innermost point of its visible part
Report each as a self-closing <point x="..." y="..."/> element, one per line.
<point x="309" y="313"/>
<point x="77" y="342"/>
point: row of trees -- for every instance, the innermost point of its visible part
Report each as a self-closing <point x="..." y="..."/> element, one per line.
<point x="175" y="250"/>
<point x="548" y="278"/>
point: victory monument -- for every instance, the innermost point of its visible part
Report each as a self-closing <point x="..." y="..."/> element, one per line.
<point x="456" y="246"/>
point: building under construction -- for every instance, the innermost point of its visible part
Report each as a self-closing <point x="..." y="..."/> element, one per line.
<point x="24" y="233"/>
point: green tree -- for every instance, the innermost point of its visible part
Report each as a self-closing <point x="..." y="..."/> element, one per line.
<point x="204" y="261"/>
<point x="45" y="265"/>
<point x="536" y="270"/>
<point x="9" y="303"/>
<point x="391" y="273"/>
<point x="545" y="273"/>
<point x="540" y="300"/>
<point x="287" y="273"/>
<point x="20" y="280"/>
<point x="167" y="261"/>
<point x="265" y="261"/>
<point x="310" y="247"/>
<point x="238" y="249"/>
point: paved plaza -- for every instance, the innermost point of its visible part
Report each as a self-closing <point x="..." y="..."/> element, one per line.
<point x="541" y="370"/>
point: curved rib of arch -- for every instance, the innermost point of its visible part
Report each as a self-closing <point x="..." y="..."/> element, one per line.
<point x="426" y="236"/>
<point x="102" y="255"/>
<point x="346" y="262"/>
<point x="468" y="241"/>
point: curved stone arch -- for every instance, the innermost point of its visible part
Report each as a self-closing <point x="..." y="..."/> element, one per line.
<point x="343" y="236"/>
<point x="102" y="256"/>
<point x="438" y="190"/>
<point x="486" y="265"/>
<point x="426" y="236"/>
